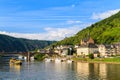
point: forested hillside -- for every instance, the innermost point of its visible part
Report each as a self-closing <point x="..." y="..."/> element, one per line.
<point x="11" y="44"/>
<point x="106" y="31"/>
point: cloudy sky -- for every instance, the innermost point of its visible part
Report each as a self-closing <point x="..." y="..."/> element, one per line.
<point x="52" y="19"/>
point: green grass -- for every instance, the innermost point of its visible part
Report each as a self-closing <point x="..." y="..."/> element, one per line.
<point x="111" y="60"/>
<point x="115" y="59"/>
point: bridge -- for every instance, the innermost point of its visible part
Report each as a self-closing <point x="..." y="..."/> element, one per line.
<point x="24" y="54"/>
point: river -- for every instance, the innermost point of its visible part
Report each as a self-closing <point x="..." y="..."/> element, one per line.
<point x="58" y="71"/>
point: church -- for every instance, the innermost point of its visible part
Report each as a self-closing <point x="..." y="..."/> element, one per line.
<point x="87" y="46"/>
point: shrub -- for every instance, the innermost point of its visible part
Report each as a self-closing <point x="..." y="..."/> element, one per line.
<point x="91" y="56"/>
<point x="39" y="56"/>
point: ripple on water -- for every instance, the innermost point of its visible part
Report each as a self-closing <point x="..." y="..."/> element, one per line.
<point x="59" y="71"/>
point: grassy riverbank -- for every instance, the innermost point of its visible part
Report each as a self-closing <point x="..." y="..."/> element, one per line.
<point x="115" y="59"/>
<point x="99" y="60"/>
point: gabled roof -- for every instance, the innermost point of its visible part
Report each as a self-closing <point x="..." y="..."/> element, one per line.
<point x="88" y="46"/>
<point x="107" y="46"/>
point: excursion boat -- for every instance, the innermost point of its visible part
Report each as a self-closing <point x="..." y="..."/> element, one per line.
<point x="15" y="61"/>
<point x="69" y="61"/>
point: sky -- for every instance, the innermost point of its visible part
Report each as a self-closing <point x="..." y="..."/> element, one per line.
<point x="52" y="19"/>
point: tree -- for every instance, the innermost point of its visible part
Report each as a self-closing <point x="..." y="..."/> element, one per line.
<point x="91" y="56"/>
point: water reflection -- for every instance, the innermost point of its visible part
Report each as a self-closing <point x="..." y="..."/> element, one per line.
<point x="59" y="71"/>
<point x="15" y="68"/>
<point x="91" y="71"/>
<point x="102" y="70"/>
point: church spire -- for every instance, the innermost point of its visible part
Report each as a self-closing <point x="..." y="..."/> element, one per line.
<point x="90" y="40"/>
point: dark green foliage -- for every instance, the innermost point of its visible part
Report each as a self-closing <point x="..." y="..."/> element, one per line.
<point x="106" y="31"/>
<point x="91" y="56"/>
<point x="10" y="44"/>
<point x="70" y="51"/>
<point x="39" y="56"/>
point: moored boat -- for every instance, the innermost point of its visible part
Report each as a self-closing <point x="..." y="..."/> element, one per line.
<point x="47" y="59"/>
<point x="15" y="61"/>
<point x="57" y="60"/>
<point x="69" y="61"/>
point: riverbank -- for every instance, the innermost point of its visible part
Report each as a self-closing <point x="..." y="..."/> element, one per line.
<point x="108" y="60"/>
<point x="113" y="60"/>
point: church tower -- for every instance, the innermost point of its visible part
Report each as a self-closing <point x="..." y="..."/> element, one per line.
<point x="87" y="40"/>
<point x="90" y="41"/>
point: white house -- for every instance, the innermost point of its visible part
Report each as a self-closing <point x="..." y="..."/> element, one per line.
<point x="107" y="50"/>
<point x="86" y="47"/>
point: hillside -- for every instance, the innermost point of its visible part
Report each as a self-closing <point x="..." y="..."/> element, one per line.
<point x="106" y="31"/>
<point x="11" y="44"/>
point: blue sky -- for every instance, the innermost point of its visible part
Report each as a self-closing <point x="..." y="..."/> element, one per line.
<point x="52" y="19"/>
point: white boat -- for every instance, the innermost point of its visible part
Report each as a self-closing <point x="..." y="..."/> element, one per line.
<point x="15" y="61"/>
<point x="32" y="58"/>
<point x="69" y="61"/>
<point x="57" y="60"/>
<point x="47" y="59"/>
<point x="20" y="57"/>
<point x="25" y="58"/>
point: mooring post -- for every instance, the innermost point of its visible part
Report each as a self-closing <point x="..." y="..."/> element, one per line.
<point x="28" y="57"/>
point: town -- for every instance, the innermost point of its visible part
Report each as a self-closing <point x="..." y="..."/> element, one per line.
<point x="85" y="47"/>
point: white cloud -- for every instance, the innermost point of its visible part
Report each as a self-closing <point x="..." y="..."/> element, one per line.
<point x="22" y="35"/>
<point x="50" y="34"/>
<point x="60" y="33"/>
<point x="73" y="22"/>
<point x="104" y="14"/>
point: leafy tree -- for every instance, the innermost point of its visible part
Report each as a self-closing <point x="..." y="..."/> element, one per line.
<point x="91" y="56"/>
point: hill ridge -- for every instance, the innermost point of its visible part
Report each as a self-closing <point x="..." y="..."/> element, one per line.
<point x="11" y="44"/>
<point x="106" y="31"/>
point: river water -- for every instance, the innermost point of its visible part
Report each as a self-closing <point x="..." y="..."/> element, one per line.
<point x="58" y="71"/>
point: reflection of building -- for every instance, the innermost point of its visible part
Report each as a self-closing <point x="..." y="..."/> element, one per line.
<point x="82" y="68"/>
<point x="87" y="46"/>
<point x="90" y="69"/>
<point x="102" y="70"/>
